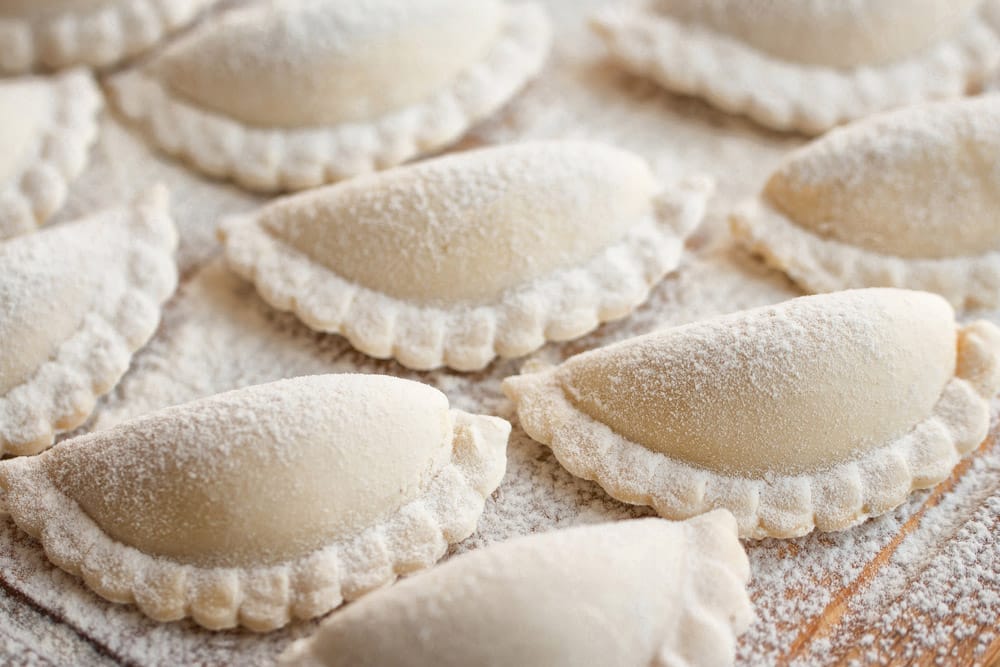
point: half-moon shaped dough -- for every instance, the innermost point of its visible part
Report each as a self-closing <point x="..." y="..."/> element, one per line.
<point x="629" y="594"/>
<point x="905" y="199"/>
<point x="816" y="412"/>
<point x="76" y="301"/>
<point x="295" y="94"/>
<point x="264" y="503"/>
<point x="807" y="65"/>
<point x="458" y="259"/>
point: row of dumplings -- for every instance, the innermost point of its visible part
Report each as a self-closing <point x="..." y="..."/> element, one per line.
<point x="429" y="264"/>
<point x="287" y="94"/>
<point x="276" y="95"/>
<point x="814" y="413"/>
<point x="900" y="200"/>
<point x="236" y="510"/>
<point x="492" y="252"/>
<point x="291" y="94"/>
<point x="903" y="199"/>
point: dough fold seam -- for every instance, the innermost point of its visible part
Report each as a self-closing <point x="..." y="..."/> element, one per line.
<point x="265" y="598"/>
<point x="781" y="505"/>
<point x="41" y="188"/>
<point x="714" y="572"/>
<point x="827" y="265"/>
<point x="269" y="159"/>
<point x="562" y="305"/>
<point x="783" y="95"/>
<point x="63" y="391"/>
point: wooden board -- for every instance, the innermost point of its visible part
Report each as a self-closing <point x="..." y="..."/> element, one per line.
<point x="919" y="586"/>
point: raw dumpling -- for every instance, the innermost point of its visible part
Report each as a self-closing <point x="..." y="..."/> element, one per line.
<point x="909" y="199"/>
<point x="808" y="65"/>
<point x="817" y="412"/>
<point x="76" y="301"/>
<point x="52" y="34"/>
<point x="630" y="594"/>
<point x="47" y="126"/>
<point x="294" y="94"/>
<point x="262" y="504"/>
<point x="459" y="259"/>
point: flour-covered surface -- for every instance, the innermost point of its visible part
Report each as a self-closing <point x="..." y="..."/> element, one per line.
<point x="920" y="584"/>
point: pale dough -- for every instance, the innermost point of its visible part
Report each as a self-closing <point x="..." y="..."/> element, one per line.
<point x="829" y="33"/>
<point x="385" y="55"/>
<point x="291" y="95"/>
<point x="461" y="258"/>
<point x="630" y="594"/>
<point x="819" y="411"/>
<point x="75" y="302"/>
<point x="265" y="503"/>
<point x="905" y="199"/>
<point x="807" y="65"/>
<point x="47" y="125"/>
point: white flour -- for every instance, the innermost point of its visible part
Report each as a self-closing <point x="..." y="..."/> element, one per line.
<point x="218" y="335"/>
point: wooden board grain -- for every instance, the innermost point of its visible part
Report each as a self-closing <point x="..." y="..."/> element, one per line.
<point x="894" y="644"/>
<point x="865" y="596"/>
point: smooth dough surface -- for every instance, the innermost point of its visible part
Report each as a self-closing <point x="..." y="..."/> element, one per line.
<point x="788" y="389"/>
<point x="915" y="183"/>
<point x="50" y="281"/>
<point x="676" y="597"/>
<point x="467" y="226"/>
<point x="76" y="301"/>
<point x="832" y="33"/>
<point x="54" y="279"/>
<point x="262" y="474"/>
<point x="313" y="62"/>
<point x="26" y="109"/>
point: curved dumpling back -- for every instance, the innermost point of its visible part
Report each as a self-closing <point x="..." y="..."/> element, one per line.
<point x="833" y="33"/>
<point x="468" y="226"/>
<point x="51" y="280"/>
<point x="915" y="183"/>
<point x="43" y="302"/>
<point x="784" y="389"/>
<point x="677" y="597"/>
<point x="262" y="474"/>
<point x="313" y="62"/>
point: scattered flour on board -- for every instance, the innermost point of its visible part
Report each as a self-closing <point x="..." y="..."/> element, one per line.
<point x="218" y="335"/>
